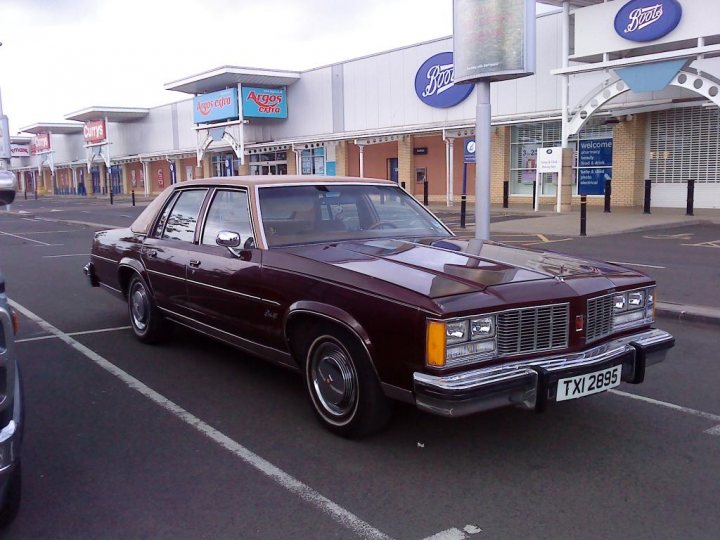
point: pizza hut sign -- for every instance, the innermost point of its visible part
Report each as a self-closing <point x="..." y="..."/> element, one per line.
<point x="95" y="131"/>
<point x="40" y="143"/>
<point x="647" y="20"/>
<point x="435" y="82"/>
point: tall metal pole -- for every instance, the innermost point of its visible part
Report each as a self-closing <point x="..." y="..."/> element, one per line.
<point x="482" y="161"/>
<point x="565" y="93"/>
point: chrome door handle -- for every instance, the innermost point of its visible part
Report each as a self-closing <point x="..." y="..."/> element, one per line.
<point x="151" y="252"/>
<point x="194" y="263"/>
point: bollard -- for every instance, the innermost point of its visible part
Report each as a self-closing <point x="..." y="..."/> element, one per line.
<point x="534" y="194"/>
<point x="111" y="195"/>
<point x="463" y="210"/>
<point x="25" y="192"/>
<point x="608" y="192"/>
<point x="133" y="197"/>
<point x="690" y="198"/>
<point x="646" y="204"/>
<point x="36" y="192"/>
<point x="425" y="192"/>
<point x="583" y="215"/>
<point x="506" y="193"/>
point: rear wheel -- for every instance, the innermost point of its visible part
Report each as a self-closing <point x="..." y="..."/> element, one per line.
<point x="147" y="322"/>
<point x="342" y="385"/>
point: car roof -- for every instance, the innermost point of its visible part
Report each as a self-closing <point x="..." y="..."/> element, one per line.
<point x="260" y="180"/>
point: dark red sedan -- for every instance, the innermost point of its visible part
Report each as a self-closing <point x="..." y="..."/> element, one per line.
<point x="353" y="283"/>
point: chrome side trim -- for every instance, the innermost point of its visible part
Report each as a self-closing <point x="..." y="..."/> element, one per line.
<point x="164" y="274"/>
<point x="113" y="289"/>
<point x="268" y="353"/>
<point x="8" y="431"/>
<point x="248" y="296"/>
<point x="103" y="258"/>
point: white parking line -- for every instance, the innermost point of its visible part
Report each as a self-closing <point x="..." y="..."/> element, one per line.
<point x="69" y="255"/>
<point x="84" y="332"/>
<point x="709" y="416"/>
<point x="637" y="264"/>
<point x="23" y="238"/>
<point x="290" y="483"/>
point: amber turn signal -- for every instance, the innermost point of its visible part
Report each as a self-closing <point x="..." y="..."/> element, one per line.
<point x="435" y="344"/>
<point x="15" y="323"/>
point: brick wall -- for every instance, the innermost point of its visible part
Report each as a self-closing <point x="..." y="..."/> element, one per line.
<point x="341" y="157"/>
<point x="406" y="170"/>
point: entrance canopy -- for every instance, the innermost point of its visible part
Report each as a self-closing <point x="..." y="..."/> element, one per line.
<point x="231" y="76"/>
<point x="111" y="114"/>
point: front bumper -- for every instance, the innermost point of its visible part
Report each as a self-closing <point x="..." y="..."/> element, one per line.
<point x="89" y="271"/>
<point x="531" y="384"/>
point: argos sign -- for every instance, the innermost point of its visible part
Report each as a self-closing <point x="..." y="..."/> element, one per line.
<point x="264" y="102"/>
<point x="647" y="20"/>
<point x="216" y="106"/>
<point x="95" y="131"/>
<point x="435" y="82"/>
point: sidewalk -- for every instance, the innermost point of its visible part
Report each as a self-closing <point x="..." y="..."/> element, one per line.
<point x="522" y="219"/>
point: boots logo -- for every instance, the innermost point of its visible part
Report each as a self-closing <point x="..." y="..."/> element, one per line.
<point x="435" y="82"/>
<point x="647" y="20"/>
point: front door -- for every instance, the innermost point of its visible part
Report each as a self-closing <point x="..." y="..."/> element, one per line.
<point x="95" y="174"/>
<point x="392" y="172"/>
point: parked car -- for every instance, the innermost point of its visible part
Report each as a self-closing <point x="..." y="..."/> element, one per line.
<point x="360" y="288"/>
<point x="11" y="397"/>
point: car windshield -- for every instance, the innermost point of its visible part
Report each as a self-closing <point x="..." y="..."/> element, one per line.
<point x="329" y="213"/>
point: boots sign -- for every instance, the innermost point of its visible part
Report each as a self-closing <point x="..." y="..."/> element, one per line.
<point x="95" y="131"/>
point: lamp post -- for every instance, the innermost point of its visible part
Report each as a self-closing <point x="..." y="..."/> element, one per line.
<point x="4" y="137"/>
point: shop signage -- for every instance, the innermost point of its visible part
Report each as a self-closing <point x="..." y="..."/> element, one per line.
<point x="420" y="151"/>
<point x="40" y="143"/>
<point x="161" y="178"/>
<point x="595" y="153"/>
<point x="19" y="150"/>
<point x="592" y="181"/>
<point x="549" y="160"/>
<point x="647" y="20"/>
<point x="216" y="106"/>
<point x="493" y="40"/>
<point x="469" y="150"/>
<point x="94" y="131"/>
<point x="595" y="159"/>
<point x="264" y="102"/>
<point x="435" y="82"/>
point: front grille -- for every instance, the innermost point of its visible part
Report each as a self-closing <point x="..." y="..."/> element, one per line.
<point x="599" y="317"/>
<point x="530" y="330"/>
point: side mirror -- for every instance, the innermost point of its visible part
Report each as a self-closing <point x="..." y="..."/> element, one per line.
<point x="230" y="240"/>
<point x="7" y="187"/>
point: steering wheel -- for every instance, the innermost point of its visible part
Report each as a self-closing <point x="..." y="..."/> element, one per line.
<point x="381" y="225"/>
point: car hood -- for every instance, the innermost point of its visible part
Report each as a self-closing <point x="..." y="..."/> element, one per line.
<point x="439" y="268"/>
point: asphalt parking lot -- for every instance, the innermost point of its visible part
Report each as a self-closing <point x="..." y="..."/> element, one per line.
<point x="193" y="439"/>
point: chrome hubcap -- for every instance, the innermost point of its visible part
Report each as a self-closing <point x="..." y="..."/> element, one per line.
<point x="139" y="306"/>
<point x="334" y="379"/>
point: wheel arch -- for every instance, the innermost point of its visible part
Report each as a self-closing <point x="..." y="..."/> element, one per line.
<point x="126" y="268"/>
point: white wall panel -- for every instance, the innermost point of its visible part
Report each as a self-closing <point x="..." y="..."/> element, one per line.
<point x="309" y="107"/>
<point x="675" y="195"/>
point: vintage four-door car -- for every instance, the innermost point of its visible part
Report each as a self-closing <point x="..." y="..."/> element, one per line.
<point x="359" y="287"/>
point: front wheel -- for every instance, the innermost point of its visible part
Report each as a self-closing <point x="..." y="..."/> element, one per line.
<point x="343" y="387"/>
<point x="147" y="322"/>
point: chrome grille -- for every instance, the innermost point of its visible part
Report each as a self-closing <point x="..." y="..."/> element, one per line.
<point x="529" y="330"/>
<point x="599" y="317"/>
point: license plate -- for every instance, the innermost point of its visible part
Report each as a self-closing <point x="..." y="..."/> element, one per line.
<point x="590" y="383"/>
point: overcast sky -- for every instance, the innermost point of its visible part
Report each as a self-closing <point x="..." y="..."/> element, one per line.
<point x="60" y="56"/>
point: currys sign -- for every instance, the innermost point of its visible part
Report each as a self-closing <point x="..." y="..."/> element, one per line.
<point x="94" y="131"/>
<point x="216" y="106"/>
<point x="40" y="143"/>
<point x="647" y="20"/>
<point x="435" y="82"/>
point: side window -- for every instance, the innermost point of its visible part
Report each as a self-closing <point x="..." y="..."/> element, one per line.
<point x="184" y="215"/>
<point x="228" y="212"/>
<point x="163" y="218"/>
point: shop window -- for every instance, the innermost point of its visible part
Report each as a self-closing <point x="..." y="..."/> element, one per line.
<point x="312" y="161"/>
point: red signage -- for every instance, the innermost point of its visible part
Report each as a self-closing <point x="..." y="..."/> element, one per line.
<point x="19" y="150"/>
<point x="40" y="143"/>
<point x="161" y="178"/>
<point x="95" y="131"/>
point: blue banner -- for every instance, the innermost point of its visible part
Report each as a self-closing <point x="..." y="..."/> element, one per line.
<point x="595" y="153"/>
<point x="216" y="106"/>
<point x="592" y="181"/>
<point x="264" y="102"/>
<point x="469" y="150"/>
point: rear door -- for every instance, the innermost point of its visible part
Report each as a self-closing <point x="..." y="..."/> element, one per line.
<point x="165" y="252"/>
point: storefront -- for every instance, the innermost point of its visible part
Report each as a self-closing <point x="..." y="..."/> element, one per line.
<point x="397" y="115"/>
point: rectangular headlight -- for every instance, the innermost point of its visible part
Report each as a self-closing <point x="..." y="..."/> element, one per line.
<point x="482" y="328"/>
<point x="457" y="331"/>
<point x="620" y="302"/>
<point x="636" y="299"/>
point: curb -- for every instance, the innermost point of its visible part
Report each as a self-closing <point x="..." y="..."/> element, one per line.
<point x="680" y="312"/>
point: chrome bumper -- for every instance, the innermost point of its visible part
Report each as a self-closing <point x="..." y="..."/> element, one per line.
<point x="532" y="384"/>
<point x="89" y="271"/>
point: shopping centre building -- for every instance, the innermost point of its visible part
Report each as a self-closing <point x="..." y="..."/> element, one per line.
<point x="632" y="86"/>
